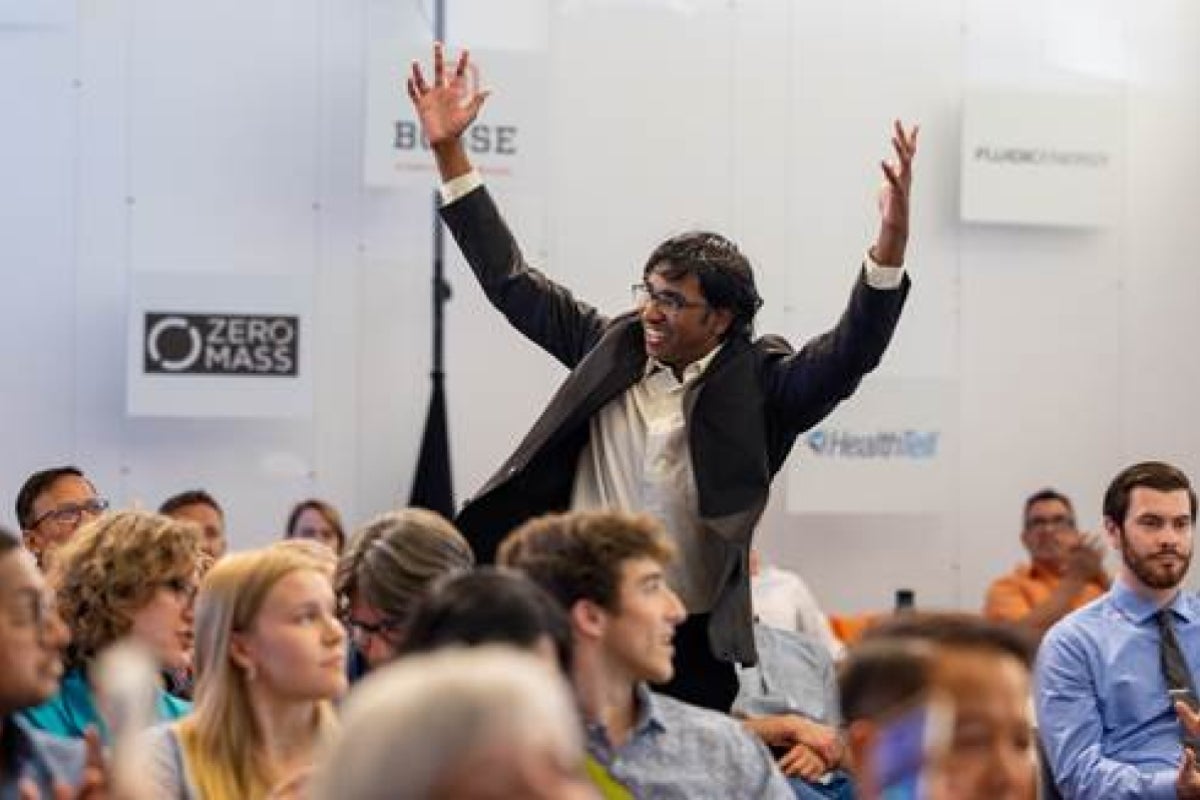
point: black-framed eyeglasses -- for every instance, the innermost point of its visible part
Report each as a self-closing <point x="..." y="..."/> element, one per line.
<point x="665" y="300"/>
<point x="1056" y="522"/>
<point x="360" y="631"/>
<point x="72" y="513"/>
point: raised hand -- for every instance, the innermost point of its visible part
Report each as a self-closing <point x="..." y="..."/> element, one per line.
<point x="894" y="197"/>
<point x="447" y="106"/>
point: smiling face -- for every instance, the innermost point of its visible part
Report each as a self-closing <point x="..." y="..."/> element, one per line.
<point x="296" y="647"/>
<point x="59" y="511"/>
<point x="679" y="325"/>
<point x="638" y="633"/>
<point x="32" y="635"/>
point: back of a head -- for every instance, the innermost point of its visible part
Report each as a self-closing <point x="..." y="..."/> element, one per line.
<point x="879" y="678"/>
<point x="414" y="728"/>
<point x="391" y="562"/>
<point x="960" y="631"/>
<point x="489" y="606"/>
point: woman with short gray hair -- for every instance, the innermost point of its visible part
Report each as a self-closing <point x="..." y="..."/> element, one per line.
<point x="387" y="567"/>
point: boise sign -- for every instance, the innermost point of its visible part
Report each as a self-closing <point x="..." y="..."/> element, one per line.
<point x="221" y="344"/>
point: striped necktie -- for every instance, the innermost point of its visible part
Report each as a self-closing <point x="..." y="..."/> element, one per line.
<point x="1175" y="667"/>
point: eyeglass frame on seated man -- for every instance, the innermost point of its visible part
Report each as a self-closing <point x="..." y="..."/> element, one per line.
<point x="389" y="628"/>
<point x="72" y="513"/>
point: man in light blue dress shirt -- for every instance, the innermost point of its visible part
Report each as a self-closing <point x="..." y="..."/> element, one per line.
<point x="1110" y="727"/>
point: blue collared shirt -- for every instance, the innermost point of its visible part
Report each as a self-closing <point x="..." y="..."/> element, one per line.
<point x="1105" y="718"/>
<point x="680" y="751"/>
<point x="38" y="757"/>
<point x="794" y="675"/>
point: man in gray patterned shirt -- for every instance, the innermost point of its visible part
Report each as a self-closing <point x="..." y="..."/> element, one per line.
<point x="607" y="570"/>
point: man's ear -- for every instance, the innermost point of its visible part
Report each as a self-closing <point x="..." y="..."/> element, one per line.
<point x="589" y="619"/>
<point x="722" y="320"/>
<point x="1114" y="533"/>
<point x="33" y="542"/>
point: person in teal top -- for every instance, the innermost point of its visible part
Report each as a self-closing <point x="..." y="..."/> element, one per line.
<point x="73" y="710"/>
<point x="129" y="574"/>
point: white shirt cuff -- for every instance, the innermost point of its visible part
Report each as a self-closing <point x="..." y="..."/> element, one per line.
<point x="877" y="276"/>
<point x="455" y="188"/>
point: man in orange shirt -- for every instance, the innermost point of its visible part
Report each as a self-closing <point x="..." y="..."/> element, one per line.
<point x="1066" y="569"/>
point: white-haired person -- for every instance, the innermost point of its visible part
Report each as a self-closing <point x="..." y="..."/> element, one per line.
<point x="270" y="653"/>
<point x="483" y="723"/>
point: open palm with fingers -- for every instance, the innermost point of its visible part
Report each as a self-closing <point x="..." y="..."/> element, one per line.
<point x="447" y="106"/>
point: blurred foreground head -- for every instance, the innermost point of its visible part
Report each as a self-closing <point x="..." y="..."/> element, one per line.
<point x="952" y="689"/>
<point x="471" y="724"/>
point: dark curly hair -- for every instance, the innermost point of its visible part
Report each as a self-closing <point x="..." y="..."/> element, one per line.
<point x="725" y="276"/>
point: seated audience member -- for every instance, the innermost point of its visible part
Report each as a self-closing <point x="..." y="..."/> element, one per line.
<point x="607" y="570"/>
<point x="488" y="723"/>
<point x="318" y="520"/>
<point x="32" y="639"/>
<point x="128" y="574"/>
<point x="789" y="700"/>
<point x="882" y="684"/>
<point x="1109" y="674"/>
<point x="1065" y="571"/>
<point x="51" y="506"/>
<point x="387" y="567"/>
<point x="781" y="599"/>
<point x="501" y="606"/>
<point x="981" y="670"/>
<point x="491" y="606"/>
<point x="960" y="680"/>
<point x="200" y="507"/>
<point x="270" y="655"/>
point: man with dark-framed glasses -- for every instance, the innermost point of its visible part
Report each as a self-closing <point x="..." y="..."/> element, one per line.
<point x="1065" y="569"/>
<point x="671" y="408"/>
<point x="51" y="505"/>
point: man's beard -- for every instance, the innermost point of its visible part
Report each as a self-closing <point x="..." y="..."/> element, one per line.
<point x="1142" y="566"/>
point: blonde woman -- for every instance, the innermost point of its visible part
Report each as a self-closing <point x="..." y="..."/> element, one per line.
<point x="127" y="574"/>
<point x="270" y="657"/>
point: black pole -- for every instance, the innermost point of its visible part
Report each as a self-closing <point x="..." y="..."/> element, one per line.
<point x="433" y="484"/>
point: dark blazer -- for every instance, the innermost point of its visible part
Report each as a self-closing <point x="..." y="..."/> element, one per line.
<point x="742" y="416"/>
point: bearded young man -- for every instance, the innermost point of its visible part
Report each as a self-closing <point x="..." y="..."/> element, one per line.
<point x="1110" y="677"/>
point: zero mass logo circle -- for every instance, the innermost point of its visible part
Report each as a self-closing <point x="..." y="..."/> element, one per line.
<point x="174" y="344"/>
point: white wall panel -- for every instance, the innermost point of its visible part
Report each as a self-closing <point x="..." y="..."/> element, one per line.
<point x="228" y="136"/>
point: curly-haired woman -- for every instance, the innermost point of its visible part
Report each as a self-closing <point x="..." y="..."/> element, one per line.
<point x="128" y="574"/>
